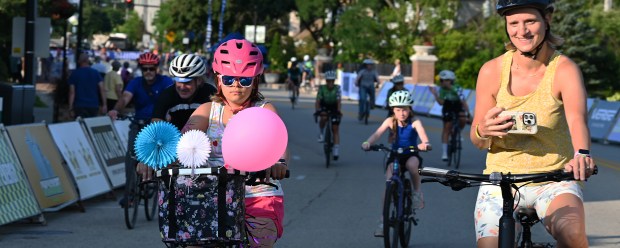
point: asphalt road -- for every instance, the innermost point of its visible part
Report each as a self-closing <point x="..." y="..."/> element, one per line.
<point x="337" y="206"/>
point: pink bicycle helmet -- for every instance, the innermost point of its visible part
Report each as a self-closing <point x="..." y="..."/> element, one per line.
<point x="238" y="58"/>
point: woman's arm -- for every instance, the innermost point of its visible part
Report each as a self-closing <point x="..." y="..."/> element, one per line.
<point x="573" y="93"/>
<point x="434" y="92"/>
<point x="485" y="124"/>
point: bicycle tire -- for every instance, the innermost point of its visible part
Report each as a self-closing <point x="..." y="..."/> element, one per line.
<point x="457" y="150"/>
<point x="150" y="200"/>
<point x="390" y="216"/>
<point x="133" y="203"/>
<point x="327" y="145"/>
<point x="450" y="150"/>
<point x="406" y="225"/>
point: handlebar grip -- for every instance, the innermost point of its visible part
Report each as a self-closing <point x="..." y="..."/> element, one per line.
<point x="262" y="174"/>
<point x="434" y="172"/>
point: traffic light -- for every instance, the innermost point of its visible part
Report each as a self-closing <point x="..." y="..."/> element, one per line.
<point x="129" y="4"/>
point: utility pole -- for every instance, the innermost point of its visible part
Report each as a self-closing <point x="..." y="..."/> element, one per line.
<point x="78" y="49"/>
<point x="607" y="5"/>
<point x="29" y="43"/>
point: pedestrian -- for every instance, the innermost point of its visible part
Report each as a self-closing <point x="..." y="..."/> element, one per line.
<point x="113" y="85"/>
<point x="85" y="90"/>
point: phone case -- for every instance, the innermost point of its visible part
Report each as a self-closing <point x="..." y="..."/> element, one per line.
<point x="523" y="122"/>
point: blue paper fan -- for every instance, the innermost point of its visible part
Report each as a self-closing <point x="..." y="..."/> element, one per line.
<point x="156" y="144"/>
<point x="193" y="149"/>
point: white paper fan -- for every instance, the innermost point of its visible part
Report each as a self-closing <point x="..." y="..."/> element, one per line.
<point x="193" y="149"/>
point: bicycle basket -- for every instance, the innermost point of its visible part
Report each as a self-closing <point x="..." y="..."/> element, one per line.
<point x="202" y="207"/>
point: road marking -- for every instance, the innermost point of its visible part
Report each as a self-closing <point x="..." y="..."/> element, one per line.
<point x="607" y="163"/>
<point x="300" y="177"/>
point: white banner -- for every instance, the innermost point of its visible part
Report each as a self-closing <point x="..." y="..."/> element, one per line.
<point x="109" y="147"/>
<point x="80" y="158"/>
<point x="122" y="130"/>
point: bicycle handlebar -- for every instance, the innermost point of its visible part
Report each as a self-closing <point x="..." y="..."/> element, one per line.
<point x="400" y="150"/>
<point x="459" y="180"/>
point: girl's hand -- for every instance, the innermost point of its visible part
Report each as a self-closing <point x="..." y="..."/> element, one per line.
<point x="492" y="125"/>
<point x="365" y="145"/>
<point x="425" y="146"/>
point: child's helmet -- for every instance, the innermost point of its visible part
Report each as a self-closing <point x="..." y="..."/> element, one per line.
<point x="401" y="98"/>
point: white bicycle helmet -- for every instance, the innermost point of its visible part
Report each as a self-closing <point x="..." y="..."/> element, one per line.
<point x="185" y="67"/>
<point x="398" y="79"/>
<point x="401" y="98"/>
<point x="447" y="74"/>
<point x="330" y="75"/>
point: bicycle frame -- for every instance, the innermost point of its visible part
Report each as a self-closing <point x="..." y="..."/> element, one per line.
<point x="458" y="180"/>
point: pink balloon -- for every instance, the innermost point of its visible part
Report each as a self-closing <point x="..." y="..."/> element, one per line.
<point x="254" y="139"/>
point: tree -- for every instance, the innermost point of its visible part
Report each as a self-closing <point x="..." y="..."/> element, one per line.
<point x="133" y="27"/>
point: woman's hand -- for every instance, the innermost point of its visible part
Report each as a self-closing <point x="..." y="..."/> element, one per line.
<point x="492" y="125"/>
<point x="581" y="165"/>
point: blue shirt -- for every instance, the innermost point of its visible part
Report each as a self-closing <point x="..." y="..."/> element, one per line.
<point x="407" y="136"/>
<point x="86" y="81"/>
<point x="145" y="101"/>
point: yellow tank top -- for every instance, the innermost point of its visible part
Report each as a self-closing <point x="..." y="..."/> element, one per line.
<point x="550" y="148"/>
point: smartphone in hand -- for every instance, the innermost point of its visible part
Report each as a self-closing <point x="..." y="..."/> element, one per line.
<point x="522" y="122"/>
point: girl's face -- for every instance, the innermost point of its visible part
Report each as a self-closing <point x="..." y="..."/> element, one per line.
<point x="402" y="113"/>
<point x="446" y="83"/>
<point x="236" y="92"/>
<point x="526" y="28"/>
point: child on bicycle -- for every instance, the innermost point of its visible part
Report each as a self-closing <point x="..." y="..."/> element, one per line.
<point x="328" y="100"/>
<point x="451" y="98"/>
<point x="238" y="64"/>
<point x="405" y="131"/>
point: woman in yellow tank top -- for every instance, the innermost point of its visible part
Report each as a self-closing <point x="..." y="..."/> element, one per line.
<point x="532" y="76"/>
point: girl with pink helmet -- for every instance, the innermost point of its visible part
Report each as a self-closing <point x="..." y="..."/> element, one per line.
<point x="238" y="64"/>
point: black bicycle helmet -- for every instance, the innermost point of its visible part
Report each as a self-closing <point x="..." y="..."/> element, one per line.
<point x="505" y="5"/>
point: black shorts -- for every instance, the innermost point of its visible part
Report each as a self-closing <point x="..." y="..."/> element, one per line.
<point x="333" y="109"/>
<point x="451" y="109"/>
<point x="402" y="160"/>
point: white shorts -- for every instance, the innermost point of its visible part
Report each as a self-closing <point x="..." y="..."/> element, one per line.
<point x="489" y="203"/>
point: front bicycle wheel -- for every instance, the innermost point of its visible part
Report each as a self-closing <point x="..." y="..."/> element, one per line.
<point x="456" y="152"/>
<point x="327" y="146"/>
<point x="149" y="193"/>
<point x="391" y="222"/>
<point x="405" y="227"/>
<point x="132" y="202"/>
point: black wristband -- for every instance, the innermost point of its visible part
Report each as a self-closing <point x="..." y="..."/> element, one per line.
<point x="584" y="151"/>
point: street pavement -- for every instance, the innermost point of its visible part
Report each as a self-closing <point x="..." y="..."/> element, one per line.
<point x="337" y="206"/>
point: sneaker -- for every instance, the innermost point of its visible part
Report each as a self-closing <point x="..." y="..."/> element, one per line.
<point x="335" y="152"/>
<point x="418" y="200"/>
<point x="320" y="139"/>
<point x="444" y="156"/>
<point x="379" y="231"/>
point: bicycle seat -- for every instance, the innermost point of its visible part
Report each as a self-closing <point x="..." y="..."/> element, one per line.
<point x="527" y="216"/>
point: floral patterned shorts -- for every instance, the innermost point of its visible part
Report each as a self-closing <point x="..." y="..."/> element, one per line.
<point x="194" y="218"/>
<point x="489" y="203"/>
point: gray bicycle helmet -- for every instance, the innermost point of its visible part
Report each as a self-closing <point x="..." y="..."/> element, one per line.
<point x="330" y="75"/>
<point x="401" y="98"/>
<point x="398" y="79"/>
<point x="185" y="67"/>
<point x="505" y="5"/>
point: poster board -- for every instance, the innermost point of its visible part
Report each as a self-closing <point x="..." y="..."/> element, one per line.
<point x="17" y="200"/>
<point x="614" y="135"/>
<point x="51" y="183"/>
<point x="122" y="131"/>
<point x="80" y="158"/>
<point x="602" y="118"/>
<point x="110" y="150"/>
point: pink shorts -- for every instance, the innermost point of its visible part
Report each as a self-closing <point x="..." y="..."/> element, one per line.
<point x="271" y="207"/>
